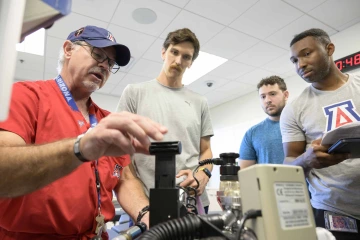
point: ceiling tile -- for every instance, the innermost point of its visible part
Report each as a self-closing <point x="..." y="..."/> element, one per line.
<point x="128" y="79"/>
<point x="154" y="52"/>
<point x="255" y="76"/>
<point x="234" y="87"/>
<point x="349" y="24"/>
<point x="229" y="43"/>
<point x="117" y="91"/>
<point x="102" y="10"/>
<point x="165" y="14"/>
<point x="203" y="28"/>
<point x="116" y="78"/>
<point x="216" y="98"/>
<point x="337" y="13"/>
<point x="179" y="3"/>
<point x="137" y="42"/>
<point x="289" y="74"/>
<point x="265" y="18"/>
<point x="280" y="65"/>
<point x="260" y="54"/>
<point x="53" y="46"/>
<point x="63" y="27"/>
<point x="222" y="11"/>
<point x="283" y="37"/>
<point x="146" y="68"/>
<point x="305" y="5"/>
<point x="131" y="78"/>
<point x="231" y="70"/>
<point x="200" y="86"/>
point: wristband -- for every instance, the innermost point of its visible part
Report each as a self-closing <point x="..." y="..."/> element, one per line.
<point x="142" y="213"/>
<point x="77" y="151"/>
<point x="206" y="171"/>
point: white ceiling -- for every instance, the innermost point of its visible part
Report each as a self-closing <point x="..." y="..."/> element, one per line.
<point x="253" y="34"/>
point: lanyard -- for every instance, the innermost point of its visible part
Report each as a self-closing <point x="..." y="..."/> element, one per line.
<point x="93" y="122"/>
<point x="71" y="102"/>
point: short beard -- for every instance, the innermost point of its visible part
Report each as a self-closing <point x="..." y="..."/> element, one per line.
<point x="276" y="114"/>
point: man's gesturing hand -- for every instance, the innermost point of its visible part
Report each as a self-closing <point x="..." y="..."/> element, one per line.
<point x="119" y="134"/>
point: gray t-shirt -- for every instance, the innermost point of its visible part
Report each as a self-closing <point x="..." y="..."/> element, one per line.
<point x="335" y="188"/>
<point x="183" y="112"/>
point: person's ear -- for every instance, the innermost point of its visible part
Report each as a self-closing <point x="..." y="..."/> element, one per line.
<point x="330" y="49"/>
<point x="67" y="48"/>
<point x="163" y="51"/>
<point x="286" y="94"/>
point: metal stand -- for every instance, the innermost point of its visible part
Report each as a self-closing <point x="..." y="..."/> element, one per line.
<point x="164" y="198"/>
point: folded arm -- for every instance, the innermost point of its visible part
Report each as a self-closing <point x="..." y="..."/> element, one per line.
<point x="315" y="156"/>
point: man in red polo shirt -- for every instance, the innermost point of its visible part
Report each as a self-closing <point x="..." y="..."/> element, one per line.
<point x="61" y="156"/>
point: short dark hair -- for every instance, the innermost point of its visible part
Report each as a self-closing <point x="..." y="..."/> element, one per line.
<point x="183" y="35"/>
<point x="319" y="34"/>
<point x="272" y="80"/>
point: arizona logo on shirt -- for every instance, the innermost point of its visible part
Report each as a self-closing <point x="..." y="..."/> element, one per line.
<point x="116" y="171"/>
<point x="339" y="114"/>
<point x="81" y="123"/>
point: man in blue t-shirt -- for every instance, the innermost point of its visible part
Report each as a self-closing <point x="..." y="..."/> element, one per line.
<point x="262" y="143"/>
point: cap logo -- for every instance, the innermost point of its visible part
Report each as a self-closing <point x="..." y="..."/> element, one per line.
<point x="110" y="37"/>
<point x="78" y="32"/>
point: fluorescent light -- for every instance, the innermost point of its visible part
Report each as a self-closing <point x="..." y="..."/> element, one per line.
<point x="203" y="64"/>
<point x="33" y="43"/>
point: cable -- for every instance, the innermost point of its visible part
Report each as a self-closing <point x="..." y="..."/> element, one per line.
<point x="218" y="231"/>
<point x="190" y="202"/>
<point x="196" y="180"/>
<point x="215" y="161"/>
<point x="248" y="215"/>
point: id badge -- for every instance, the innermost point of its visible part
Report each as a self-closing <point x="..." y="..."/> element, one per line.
<point x="340" y="223"/>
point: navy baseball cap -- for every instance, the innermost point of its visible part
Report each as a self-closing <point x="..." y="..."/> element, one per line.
<point x="101" y="38"/>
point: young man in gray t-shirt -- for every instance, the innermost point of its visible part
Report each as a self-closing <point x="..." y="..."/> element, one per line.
<point x="185" y="113"/>
<point x="331" y="101"/>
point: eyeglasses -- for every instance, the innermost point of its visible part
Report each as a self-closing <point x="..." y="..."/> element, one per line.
<point x="100" y="56"/>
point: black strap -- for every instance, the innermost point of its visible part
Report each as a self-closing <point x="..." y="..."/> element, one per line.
<point x="142" y="213"/>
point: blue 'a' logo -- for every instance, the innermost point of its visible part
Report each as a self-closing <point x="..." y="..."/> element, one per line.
<point x="339" y="114"/>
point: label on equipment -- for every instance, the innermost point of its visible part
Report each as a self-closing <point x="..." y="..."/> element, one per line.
<point x="292" y="204"/>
